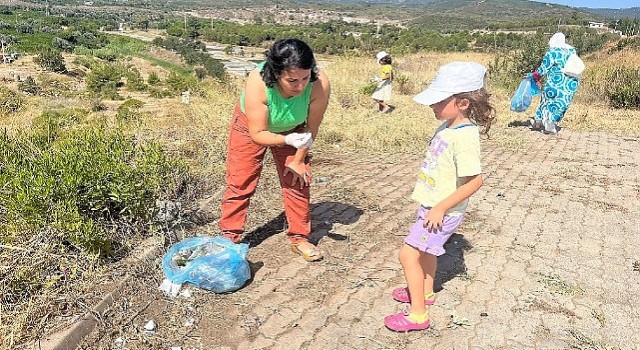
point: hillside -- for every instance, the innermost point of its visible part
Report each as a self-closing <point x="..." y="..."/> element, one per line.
<point x="633" y="12"/>
<point x="498" y="14"/>
<point x="489" y="9"/>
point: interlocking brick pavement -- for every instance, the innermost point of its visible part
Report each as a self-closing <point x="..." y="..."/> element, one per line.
<point x="546" y="253"/>
<point x="544" y="260"/>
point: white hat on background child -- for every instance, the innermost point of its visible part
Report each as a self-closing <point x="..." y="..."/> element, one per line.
<point x="453" y="78"/>
<point x="380" y="55"/>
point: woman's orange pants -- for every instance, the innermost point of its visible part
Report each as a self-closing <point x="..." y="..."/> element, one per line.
<point x="244" y="165"/>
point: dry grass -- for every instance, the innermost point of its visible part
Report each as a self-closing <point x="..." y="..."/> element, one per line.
<point x="198" y="132"/>
<point x="352" y="120"/>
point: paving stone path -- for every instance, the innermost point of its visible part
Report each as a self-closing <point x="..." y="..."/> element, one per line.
<point x="547" y="258"/>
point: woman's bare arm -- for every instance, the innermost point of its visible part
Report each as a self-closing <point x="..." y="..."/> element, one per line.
<point x="255" y="104"/>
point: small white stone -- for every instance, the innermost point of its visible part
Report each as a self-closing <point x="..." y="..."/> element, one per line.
<point x="120" y="341"/>
<point x="186" y="293"/>
<point x="150" y="326"/>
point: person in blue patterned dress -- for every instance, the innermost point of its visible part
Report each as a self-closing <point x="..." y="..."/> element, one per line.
<point x="559" y="88"/>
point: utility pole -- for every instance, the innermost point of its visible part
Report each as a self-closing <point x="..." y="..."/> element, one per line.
<point x="185" y="21"/>
<point x="495" y="42"/>
<point x="3" y="56"/>
<point x="46" y="12"/>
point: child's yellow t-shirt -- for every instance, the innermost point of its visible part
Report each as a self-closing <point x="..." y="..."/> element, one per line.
<point x="384" y="70"/>
<point x="453" y="153"/>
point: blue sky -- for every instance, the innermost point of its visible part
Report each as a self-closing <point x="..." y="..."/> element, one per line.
<point x="612" y="4"/>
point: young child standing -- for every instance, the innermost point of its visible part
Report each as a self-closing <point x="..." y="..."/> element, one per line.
<point x="382" y="94"/>
<point x="449" y="175"/>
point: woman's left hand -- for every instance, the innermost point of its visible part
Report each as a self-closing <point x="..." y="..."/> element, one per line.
<point x="299" y="172"/>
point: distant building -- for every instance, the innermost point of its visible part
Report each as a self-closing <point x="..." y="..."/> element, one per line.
<point x="88" y="3"/>
<point x="597" y="25"/>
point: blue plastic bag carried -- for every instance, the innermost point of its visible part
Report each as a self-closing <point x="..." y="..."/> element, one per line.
<point x="211" y="263"/>
<point x="521" y="100"/>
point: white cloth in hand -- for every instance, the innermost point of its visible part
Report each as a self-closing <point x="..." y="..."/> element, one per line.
<point x="299" y="140"/>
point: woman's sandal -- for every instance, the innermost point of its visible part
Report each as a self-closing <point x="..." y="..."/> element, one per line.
<point x="402" y="295"/>
<point x="400" y="323"/>
<point x="310" y="255"/>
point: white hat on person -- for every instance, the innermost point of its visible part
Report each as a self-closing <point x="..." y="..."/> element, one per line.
<point x="453" y="78"/>
<point x="380" y="55"/>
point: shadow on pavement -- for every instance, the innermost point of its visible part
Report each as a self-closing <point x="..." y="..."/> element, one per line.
<point x="451" y="264"/>
<point x="518" y="123"/>
<point x="323" y="216"/>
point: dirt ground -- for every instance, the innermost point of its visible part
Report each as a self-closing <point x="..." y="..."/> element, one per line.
<point x="547" y="258"/>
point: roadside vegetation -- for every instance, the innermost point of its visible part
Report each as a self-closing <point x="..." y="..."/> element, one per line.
<point x="95" y="140"/>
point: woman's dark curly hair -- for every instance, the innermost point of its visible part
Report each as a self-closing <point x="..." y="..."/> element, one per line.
<point x="286" y="54"/>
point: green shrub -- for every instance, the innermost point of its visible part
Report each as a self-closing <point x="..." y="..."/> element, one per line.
<point x="84" y="190"/>
<point x="128" y="110"/>
<point x="51" y="123"/>
<point x="97" y="105"/>
<point x="85" y="61"/>
<point x="10" y="101"/>
<point x="201" y="73"/>
<point x="213" y="67"/>
<point x="153" y="78"/>
<point x="50" y="59"/>
<point x="107" y="54"/>
<point x="54" y="86"/>
<point x="509" y="66"/>
<point x="179" y="84"/>
<point x="160" y="92"/>
<point x="368" y="89"/>
<point x="402" y="81"/>
<point x="29" y="86"/>
<point x="82" y="51"/>
<point x="134" y="80"/>
<point x="104" y="80"/>
<point x="623" y="87"/>
<point x="62" y="44"/>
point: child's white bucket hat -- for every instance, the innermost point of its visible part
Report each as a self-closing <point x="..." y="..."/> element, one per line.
<point x="453" y="78"/>
<point x="380" y="55"/>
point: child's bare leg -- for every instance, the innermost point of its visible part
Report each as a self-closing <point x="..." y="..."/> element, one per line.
<point x="429" y="263"/>
<point x="410" y="259"/>
<point x="380" y="104"/>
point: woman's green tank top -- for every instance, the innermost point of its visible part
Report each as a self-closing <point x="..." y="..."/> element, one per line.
<point x="284" y="114"/>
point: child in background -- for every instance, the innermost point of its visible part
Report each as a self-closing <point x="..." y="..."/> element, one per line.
<point x="382" y="94"/>
<point x="449" y="175"/>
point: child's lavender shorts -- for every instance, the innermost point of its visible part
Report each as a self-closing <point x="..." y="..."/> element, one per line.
<point x="432" y="242"/>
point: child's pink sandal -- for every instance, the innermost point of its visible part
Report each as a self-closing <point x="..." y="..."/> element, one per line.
<point x="400" y="323"/>
<point x="402" y="295"/>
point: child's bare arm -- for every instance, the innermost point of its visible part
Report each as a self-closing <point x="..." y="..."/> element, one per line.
<point x="470" y="185"/>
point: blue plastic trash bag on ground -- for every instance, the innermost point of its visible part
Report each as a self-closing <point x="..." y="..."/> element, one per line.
<point x="521" y="100"/>
<point x="211" y="263"/>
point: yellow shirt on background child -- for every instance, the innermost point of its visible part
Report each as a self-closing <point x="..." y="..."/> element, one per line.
<point x="453" y="153"/>
<point x="384" y="70"/>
